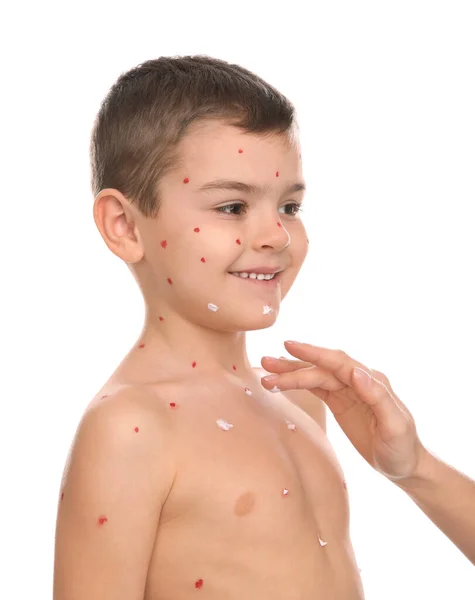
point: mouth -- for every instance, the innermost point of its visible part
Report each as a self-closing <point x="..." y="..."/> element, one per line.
<point x="272" y="282"/>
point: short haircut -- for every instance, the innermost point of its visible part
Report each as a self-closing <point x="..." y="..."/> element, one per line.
<point x="149" y="109"/>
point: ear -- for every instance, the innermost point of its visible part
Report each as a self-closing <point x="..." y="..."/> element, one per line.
<point x="116" y="221"/>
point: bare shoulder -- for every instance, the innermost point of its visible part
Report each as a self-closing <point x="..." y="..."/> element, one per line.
<point x="305" y="400"/>
<point x="117" y="477"/>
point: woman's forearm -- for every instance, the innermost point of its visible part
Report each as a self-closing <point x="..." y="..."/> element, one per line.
<point x="447" y="497"/>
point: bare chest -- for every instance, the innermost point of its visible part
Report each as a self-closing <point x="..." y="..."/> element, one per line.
<point x="259" y="489"/>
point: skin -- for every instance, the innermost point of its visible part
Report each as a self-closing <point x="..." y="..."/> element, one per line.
<point x="226" y="529"/>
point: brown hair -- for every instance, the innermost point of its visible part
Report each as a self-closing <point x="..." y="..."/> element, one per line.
<point x="147" y="112"/>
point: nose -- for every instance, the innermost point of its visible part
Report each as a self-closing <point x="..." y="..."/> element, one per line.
<point x="271" y="233"/>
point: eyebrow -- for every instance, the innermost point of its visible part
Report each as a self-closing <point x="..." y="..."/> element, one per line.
<point x="246" y="188"/>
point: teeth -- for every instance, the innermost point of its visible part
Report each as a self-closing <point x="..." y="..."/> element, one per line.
<point x="259" y="276"/>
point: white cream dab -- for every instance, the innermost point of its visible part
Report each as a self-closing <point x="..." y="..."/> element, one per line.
<point x="291" y="425"/>
<point x="248" y="391"/>
<point x="322" y="543"/>
<point x="213" y="307"/>
<point x="275" y="389"/>
<point x="285" y="491"/>
<point x="224" y="425"/>
<point x="267" y="309"/>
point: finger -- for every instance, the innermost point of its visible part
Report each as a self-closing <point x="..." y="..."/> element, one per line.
<point x="392" y="422"/>
<point x="337" y="362"/>
<point x="282" y="364"/>
<point x="304" y="379"/>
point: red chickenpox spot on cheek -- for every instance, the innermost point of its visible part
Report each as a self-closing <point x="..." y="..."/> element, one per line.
<point x="196" y="229"/>
<point x="238" y="242"/>
<point x="161" y="319"/>
<point x="234" y="367"/>
<point x="186" y="180"/>
<point x="101" y="520"/>
<point x="199" y="584"/>
<point x="163" y="243"/>
<point x="136" y="430"/>
<point x="172" y="404"/>
<point x="193" y="364"/>
<point x="170" y="281"/>
<point x="279" y="224"/>
<point x="203" y="260"/>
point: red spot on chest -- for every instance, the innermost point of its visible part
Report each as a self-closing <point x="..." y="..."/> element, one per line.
<point x="199" y="584"/>
<point x="203" y="260"/>
<point x="186" y="180"/>
<point x="136" y="430"/>
<point x="196" y="229"/>
<point x="238" y="242"/>
<point x="163" y="243"/>
<point x="241" y="150"/>
<point x="277" y="173"/>
<point x="172" y="404"/>
<point x="170" y="281"/>
<point x="142" y="346"/>
<point x="193" y="364"/>
<point x="234" y="367"/>
<point x="161" y="319"/>
<point x="101" y="520"/>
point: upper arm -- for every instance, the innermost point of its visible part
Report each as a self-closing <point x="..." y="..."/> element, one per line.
<point x="116" y="481"/>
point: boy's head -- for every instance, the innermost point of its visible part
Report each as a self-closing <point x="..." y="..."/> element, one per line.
<point x="167" y="128"/>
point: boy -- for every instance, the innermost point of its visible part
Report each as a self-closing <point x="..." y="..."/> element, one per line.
<point x="186" y="476"/>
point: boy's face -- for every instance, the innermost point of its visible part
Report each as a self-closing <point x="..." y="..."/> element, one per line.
<point x="198" y="240"/>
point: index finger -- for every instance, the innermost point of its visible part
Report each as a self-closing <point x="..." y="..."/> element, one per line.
<point x="336" y="362"/>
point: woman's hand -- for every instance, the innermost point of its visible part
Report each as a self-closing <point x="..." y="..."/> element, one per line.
<point x="374" y="419"/>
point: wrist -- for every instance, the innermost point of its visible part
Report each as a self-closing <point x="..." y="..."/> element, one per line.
<point x="423" y="473"/>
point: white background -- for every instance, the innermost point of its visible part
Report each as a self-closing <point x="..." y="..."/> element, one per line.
<point x="385" y="95"/>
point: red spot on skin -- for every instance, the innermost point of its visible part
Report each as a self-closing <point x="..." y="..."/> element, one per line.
<point x="199" y="584"/>
<point x="142" y="346"/>
<point x="344" y="485"/>
<point x="172" y="404"/>
<point x="186" y="180"/>
<point x="279" y="224"/>
<point x="163" y="244"/>
<point x="161" y="319"/>
<point x="234" y="367"/>
<point x="238" y="242"/>
<point x="105" y="396"/>
<point x="62" y="495"/>
<point x="277" y="173"/>
<point x="101" y="520"/>
<point x="196" y="229"/>
<point x="241" y="150"/>
<point x="136" y="430"/>
<point x="169" y="281"/>
<point x="203" y="260"/>
<point x="193" y="364"/>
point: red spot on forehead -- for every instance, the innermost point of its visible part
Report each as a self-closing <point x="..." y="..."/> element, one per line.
<point x="238" y="242"/>
<point x="241" y="150"/>
<point x="172" y="404"/>
<point x="199" y="583"/>
<point x="163" y="244"/>
<point x="186" y="180"/>
<point x="136" y="430"/>
<point x="193" y="364"/>
<point x="196" y="229"/>
<point x="279" y="224"/>
<point x="101" y="520"/>
<point x="169" y="281"/>
<point x="203" y="260"/>
<point x="234" y="367"/>
<point x="161" y="319"/>
<point x="277" y="173"/>
<point x="142" y="346"/>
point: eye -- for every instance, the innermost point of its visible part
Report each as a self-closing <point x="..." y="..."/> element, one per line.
<point x="223" y="209"/>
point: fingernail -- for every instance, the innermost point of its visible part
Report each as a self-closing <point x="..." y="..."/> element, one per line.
<point x="290" y="342"/>
<point x="270" y="378"/>
<point x="270" y="357"/>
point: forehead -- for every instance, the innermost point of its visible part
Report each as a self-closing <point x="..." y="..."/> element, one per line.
<point x="209" y="144"/>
